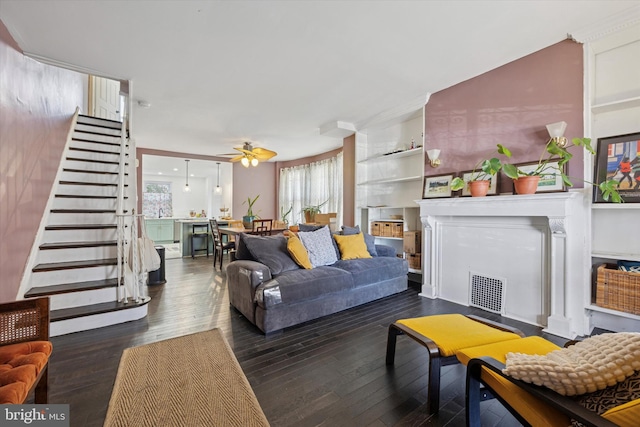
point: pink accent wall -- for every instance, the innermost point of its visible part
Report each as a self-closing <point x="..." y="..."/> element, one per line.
<point x="253" y="181"/>
<point x="349" y="184"/>
<point x="510" y="105"/>
<point x="37" y="103"/>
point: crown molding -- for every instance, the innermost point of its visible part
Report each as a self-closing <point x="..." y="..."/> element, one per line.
<point x="72" y="67"/>
<point x="608" y="25"/>
<point x="408" y="110"/>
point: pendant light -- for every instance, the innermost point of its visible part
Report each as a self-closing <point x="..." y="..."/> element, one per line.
<point x="186" y="188"/>
<point x="218" y="189"/>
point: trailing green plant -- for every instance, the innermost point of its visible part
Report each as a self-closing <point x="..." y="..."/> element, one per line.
<point x="552" y="162"/>
<point x="483" y="170"/>
<point x="250" y="204"/>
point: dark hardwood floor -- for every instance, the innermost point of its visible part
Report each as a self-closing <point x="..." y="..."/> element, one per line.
<point x="327" y="372"/>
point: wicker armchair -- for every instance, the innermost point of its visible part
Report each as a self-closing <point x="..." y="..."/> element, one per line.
<point x="24" y="350"/>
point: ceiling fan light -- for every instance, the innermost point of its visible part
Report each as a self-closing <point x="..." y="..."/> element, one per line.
<point x="245" y="162"/>
<point x="254" y="162"/>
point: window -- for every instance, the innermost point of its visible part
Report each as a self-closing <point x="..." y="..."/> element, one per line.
<point x="156" y="199"/>
<point x="312" y="184"/>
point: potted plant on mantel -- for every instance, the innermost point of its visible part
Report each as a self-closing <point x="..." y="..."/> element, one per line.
<point x="527" y="183"/>
<point x="479" y="180"/>
<point x="247" y="220"/>
<point x="311" y="211"/>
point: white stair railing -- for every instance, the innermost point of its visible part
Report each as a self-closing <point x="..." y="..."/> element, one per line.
<point x="132" y="276"/>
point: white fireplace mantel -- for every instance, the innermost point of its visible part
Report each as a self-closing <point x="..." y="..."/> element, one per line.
<point x="554" y="226"/>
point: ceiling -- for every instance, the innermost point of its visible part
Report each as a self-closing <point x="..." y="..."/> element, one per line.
<point x="218" y="73"/>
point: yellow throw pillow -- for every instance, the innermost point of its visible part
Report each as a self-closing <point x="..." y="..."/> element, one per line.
<point x="352" y="246"/>
<point x="298" y="252"/>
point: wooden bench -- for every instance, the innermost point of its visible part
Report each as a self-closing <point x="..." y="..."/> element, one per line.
<point x="24" y="350"/>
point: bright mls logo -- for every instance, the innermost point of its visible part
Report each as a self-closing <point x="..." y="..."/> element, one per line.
<point x="35" y="415"/>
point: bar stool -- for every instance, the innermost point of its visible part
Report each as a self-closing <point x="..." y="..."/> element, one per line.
<point x="199" y="232"/>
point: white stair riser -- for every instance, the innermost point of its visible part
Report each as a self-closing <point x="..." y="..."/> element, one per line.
<point x="97" y="138"/>
<point x="89" y="155"/>
<point x="58" y="277"/>
<point x="76" y="254"/>
<point x="101" y="130"/>
<point x="90" y="190"/>
<point x="79" y="235"/>
<point x="63" y="327"/>
<point x="79" y="203"/>
<point x="74" y="218"/>
<point x="83" y="177"/>
<point x="96" y="121"/>
<point x="92" y="146"/>
<point x="79" y="299"/>
<point x="88" y="166"/>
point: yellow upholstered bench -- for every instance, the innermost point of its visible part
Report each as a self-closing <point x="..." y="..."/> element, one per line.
<point x="443" y="336"/>
<point x="24" y="350"/>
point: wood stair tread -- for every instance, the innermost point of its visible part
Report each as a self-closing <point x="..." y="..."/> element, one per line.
<point x="79" y="226"/>
<point x="71" y="265"/>
<point x="97" y="133"/>
<point x="41" y="291"/>
<point x="74" y="245"/>
<point x="91" y="171"/>
<point x="99" y="184"/>
<point x="103" y="162"/>
<point x="83" y="211"/>
<point x="92" y="150"/>
<point x="88" y="310"/>
<point x="84" y="116"/>
<point x="86" y="196"/>
<point x="115" y="144"/>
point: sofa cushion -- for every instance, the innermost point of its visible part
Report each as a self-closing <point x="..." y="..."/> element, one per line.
<point x="593" y="364"/>
<point x="20" y="365"/>
<point x="298" y="252"/>
<point x="319" y="246"/>
<point x="372" y="270"/>
<point x="369" y="240"/>
<point x="301" y="285"/>
<point x="270" y="251"/>
<point x="241" y="248"/>
<point x="352" y="247"/>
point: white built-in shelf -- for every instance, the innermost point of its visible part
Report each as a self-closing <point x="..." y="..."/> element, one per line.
<point x="415" y="270"/>
<point x="621" y="104"/>
<point x="388" y="237"/>
<point x="393" y="155"/>
<point x="594" y="307"/>
<point x="392" y="180"/>
<point x="616" y="256"/>
<point x="615" y="206"/>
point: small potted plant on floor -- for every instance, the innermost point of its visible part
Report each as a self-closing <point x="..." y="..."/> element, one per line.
<point x="247" y="220"/>
<point x="480" y="178"/>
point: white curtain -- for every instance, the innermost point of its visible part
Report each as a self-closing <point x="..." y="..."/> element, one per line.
<point x="312" y="184"/>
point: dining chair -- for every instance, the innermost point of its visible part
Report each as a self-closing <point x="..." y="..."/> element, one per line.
<point x="262" y="227"/>
<point x="219" y="246"/>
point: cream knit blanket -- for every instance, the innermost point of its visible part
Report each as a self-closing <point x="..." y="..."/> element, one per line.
<point x="593" y="364"/>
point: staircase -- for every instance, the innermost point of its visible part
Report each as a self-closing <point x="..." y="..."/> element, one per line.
<point x="75" y="263"/>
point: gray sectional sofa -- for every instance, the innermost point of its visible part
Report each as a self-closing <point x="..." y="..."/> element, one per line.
<point x="273" y="292"/>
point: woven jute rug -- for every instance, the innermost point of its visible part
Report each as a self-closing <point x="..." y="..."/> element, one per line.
<point x="194" y="380"/>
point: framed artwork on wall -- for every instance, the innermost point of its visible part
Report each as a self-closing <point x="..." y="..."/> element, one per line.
<point x="551" y="181"/>
<point x="618" y="159"/>
<point x="437" y="186"/>
<point x="466" y="177"/>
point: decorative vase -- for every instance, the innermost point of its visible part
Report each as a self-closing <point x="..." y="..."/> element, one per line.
<point x="247" y="221"/>
<point x="479" y="188"/>
<point x="526" y="184"/>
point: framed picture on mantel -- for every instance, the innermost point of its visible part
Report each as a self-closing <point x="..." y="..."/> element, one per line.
<point x="437" y="186"/>
<point x="618" y="158"/>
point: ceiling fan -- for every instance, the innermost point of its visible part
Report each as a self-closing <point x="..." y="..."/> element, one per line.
<point x="251" y="155"/>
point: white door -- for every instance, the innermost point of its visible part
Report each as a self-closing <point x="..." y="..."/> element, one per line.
<point x="105" y="98"/>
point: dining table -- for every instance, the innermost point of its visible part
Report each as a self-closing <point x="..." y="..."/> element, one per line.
<point x="233" y="231"/>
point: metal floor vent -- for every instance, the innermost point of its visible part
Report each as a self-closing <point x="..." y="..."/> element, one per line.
<point x="486" y="293"/>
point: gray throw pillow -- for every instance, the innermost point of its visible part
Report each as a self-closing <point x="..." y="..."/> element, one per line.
<point x="270" y="251"/>
<point x="241" y="248"/>
<point x="369" y="240"/>
<point x="319" y="245"/>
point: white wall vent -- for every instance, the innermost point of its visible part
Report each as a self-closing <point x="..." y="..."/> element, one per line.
<point x="486" y="293"/>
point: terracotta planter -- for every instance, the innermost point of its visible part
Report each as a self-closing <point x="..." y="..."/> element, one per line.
<point x="526" y="184"/>
<point x="309" y="217"/>
<point x="479" y="188"/>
